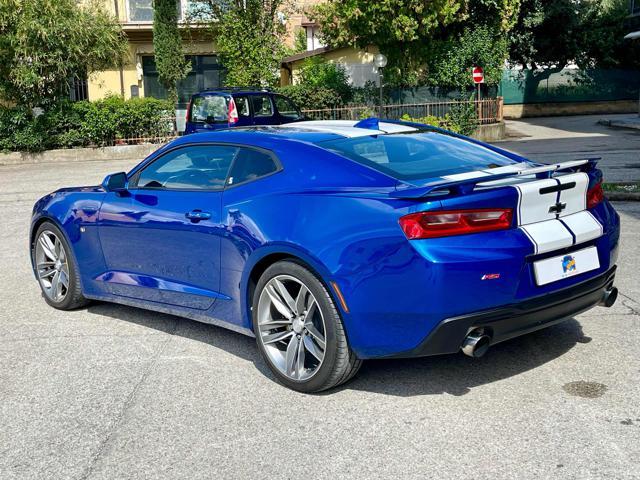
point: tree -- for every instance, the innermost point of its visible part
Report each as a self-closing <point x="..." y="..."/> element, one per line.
<point x="46" y="43"/>
<point x="422" y="39"/>
<point x="549" y="35"/>
<point x="170" y="60"/>
<point x="401" y="29"/>
<point x="452" y="60"/>
<point x="249" y="38"/>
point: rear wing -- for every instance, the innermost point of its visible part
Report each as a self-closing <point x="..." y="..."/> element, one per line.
<point x="467" y="185"/>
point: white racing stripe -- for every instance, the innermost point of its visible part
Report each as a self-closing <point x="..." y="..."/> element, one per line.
<point x="548" y="236"/>
<point x="583" y="225"/>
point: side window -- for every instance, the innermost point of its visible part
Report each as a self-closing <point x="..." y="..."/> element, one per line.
<point x="261" y="106"/>
<point x="249" y="165"/>
<point x="287" y="108"/>
<point x="202" y="167"/>
<point x="242" y="105"/>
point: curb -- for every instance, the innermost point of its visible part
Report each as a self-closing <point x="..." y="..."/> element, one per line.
<point x="622" y="196"/>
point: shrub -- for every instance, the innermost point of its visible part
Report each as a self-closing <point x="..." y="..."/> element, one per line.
<point x="461" y="119"/>
<point x="84" y="123"/>
<point x="310" y="98"/>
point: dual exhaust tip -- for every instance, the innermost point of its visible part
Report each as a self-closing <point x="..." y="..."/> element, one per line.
<point x="477" y="342"/>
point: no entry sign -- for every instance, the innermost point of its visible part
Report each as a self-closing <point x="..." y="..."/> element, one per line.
<point x="478" y="75"/>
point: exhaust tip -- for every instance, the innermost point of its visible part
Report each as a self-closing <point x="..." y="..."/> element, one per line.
<point x="610" y="297"/>
<point x="476" y="344"/>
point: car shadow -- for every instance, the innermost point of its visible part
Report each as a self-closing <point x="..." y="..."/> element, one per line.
<point x="453" y="374"/>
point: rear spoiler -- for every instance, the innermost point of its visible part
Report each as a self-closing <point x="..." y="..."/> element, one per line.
<point x="467" y="185"/>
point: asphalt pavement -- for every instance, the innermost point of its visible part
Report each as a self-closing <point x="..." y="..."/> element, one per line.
<point x="112" y="392"/>
<point x="559" y="139"/>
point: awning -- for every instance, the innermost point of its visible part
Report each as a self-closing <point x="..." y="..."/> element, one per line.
<point x="632" y="35"/>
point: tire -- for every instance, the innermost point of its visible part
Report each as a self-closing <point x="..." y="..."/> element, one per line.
<point x="70" y="295"/>
<point x="338" y="364"/>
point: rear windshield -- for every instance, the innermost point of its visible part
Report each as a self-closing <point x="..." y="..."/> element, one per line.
<point x="210" y="109"/>
<point x="417" y="155"/>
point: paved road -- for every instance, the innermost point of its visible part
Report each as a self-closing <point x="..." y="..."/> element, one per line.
<point x="113" y="392"/>
<point x="554" y="139"/>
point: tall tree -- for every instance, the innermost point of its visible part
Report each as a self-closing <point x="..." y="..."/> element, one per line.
<point x="45" y="43"/>
<point x="249" y="36"/>
<point x="171" y="64"/>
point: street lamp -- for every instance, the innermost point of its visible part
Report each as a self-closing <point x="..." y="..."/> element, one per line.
<point x="380" y="61"/>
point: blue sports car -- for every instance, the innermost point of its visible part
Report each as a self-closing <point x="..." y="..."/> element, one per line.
<point x="333" y="242"/>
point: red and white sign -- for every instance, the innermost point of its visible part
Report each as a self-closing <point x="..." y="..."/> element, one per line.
<point x="478" y="75"/>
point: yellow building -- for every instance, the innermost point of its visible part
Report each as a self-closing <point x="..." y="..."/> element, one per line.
<point x="358" y="64"/>
<point x="138" y="77"/>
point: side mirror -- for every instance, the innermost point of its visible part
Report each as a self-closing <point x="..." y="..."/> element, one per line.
<point x="116" y="182"/>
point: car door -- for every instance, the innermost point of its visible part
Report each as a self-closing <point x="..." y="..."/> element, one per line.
<point x="263" y="110"/>
<point x="161" y="239"/>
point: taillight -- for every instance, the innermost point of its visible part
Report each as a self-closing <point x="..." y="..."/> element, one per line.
<point x="595" y="195"/>
<point x="233" y="112"/>
<point x="188" y="115"/>
<point x="455" y="222"/>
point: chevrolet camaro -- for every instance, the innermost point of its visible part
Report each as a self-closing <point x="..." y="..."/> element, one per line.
<point x="333" y="242"/>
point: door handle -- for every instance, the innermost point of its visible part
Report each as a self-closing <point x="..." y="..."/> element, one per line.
<point x="197" y="215"/>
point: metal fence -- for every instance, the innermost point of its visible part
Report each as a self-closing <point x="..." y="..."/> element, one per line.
<point x="163" y="131"/>
<point x="486" y="111"/>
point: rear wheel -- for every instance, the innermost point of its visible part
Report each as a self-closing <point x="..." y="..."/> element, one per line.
<point x="56" y="270"/>
<point x="299" y="331"/>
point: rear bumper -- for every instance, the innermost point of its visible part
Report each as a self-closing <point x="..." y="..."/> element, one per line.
<point x="516" y="319"/>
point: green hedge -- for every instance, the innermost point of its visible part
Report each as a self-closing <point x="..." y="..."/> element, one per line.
<point x="80" y="124"/>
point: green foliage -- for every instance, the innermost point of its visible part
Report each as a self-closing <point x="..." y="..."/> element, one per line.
<point x="553" y="33"/>
<point x="311" y="98"/>
<point x="316" y="72"/>
<point x="402" y="29"/>
<point x="45" y="43"/>
<point x="461" y="118"/>
<point x="412" y="32"/>
<point x="84" y="123"/>
<point x="300" y="41"/>
<point x="452" y="62"/>
<point x="428" y="120"/>
<point x="249" y="39"/>
<point x="170" y="60"/>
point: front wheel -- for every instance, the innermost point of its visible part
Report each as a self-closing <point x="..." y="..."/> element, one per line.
<point x="299" y="331"/>
<point x="56" y="270"/>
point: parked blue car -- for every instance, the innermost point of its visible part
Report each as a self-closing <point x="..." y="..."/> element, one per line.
<point x="335" y="242"/>
<point x="222" y="108"/>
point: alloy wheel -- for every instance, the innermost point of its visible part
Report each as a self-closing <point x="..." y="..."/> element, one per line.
<point x="52" y="266"/>
<point x="291" y="327"/>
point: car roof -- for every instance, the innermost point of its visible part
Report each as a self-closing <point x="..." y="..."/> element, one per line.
<point x="225" y="92"/>
<point x="313" y="131"/>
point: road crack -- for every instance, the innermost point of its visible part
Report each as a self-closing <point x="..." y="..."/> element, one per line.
<point x="128" y="403"/>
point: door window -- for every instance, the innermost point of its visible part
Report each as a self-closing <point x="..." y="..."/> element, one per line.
<point x="242" y="105"/>
<point x="202" y="167"/>
<point x="262" y="106"/>
<point x="249" y="165"/>
<point x="287" y="108"/>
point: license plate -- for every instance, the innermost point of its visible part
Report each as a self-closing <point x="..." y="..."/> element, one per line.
<point x="564" y="266"/>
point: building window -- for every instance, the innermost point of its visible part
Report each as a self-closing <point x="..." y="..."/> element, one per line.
<point x="79" y="89"/>
<point x="313" y="37"/>
<point x="635" y="7"/>
<point x="206" y="72"/>
<point x="140" y="10"/>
